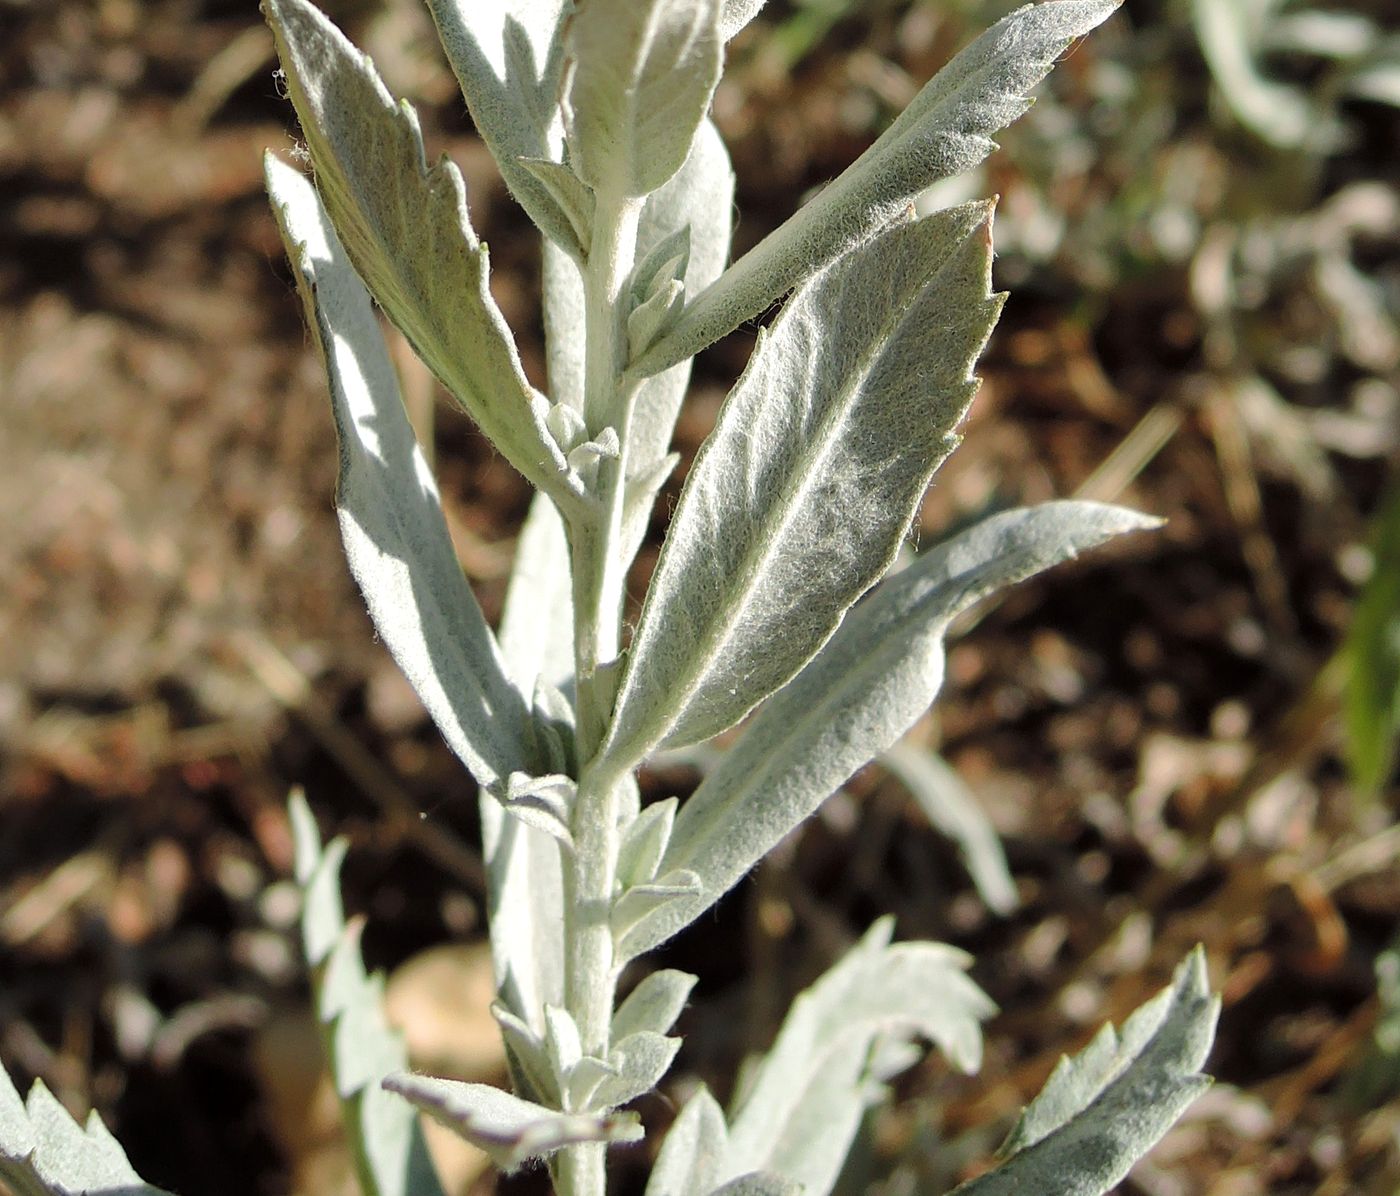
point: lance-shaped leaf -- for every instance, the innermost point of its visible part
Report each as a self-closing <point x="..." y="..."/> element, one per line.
<point x="537" y="626"/>
<point x="866" y="688"/>
<point x="525" y="896"/>
<point x="391" y="1158"/>
<point x="952" y="808"/>
<point x="693" y="1153"/>
<point x="44" y="1152"/>
<point x="390" y="518"/>
<point x="804" y="1104"/>
<point x="406" y="230"/>
<point x="1104" y="1109"/>
<point x="799" y="498"/>
<point x="642" y="76"/>
<point x="508" y="56"/>
<point x="644" y="842"/>
<point x="510" y="1130"/>
<point x="945" y="131"/>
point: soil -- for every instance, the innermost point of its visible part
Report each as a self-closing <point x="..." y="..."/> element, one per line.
<point x="1154" y="731"/>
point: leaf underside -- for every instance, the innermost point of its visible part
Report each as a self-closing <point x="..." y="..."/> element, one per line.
<point x="391" y="520"/>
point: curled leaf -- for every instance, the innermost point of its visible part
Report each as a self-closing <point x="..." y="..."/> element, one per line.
<point x="510" y="1130"/>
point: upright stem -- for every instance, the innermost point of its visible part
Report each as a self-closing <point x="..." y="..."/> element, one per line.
<point x="597" y="571"/>
<point x="598" y="587"/>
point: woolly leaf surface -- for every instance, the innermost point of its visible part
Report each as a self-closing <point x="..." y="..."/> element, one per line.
<point x="642" y="76"/>
<point x="799" y="498"/>
<point x="875" y="677"/>
<point x="44" y="1152"/>
<point x="508" y="56"/>
<point x="404" y="226"/>
<point x="1108" y="1106"/>
<point x="945" y="131"/>
<point x="693" y="1152"/>
<point x="390" y="516"/>
<point x="803" y="1105"/>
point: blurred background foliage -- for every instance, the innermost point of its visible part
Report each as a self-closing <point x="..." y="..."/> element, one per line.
<point x="1189" y="738"/>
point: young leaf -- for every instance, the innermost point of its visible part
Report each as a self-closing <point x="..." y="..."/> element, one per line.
<point x="945" y="131"/>
<point x="510" y="1130"/>
<point x="701" y="198"/>
<point x="390" y="518"/>
<point x="799" y="499"/>
<point x="543" y="804"/>
<point x="565" y="335"/>
<point x="638" y="1062"/>
<point x="666" y="260"/>
<point x="649" y="319"/>
<point x="805" y="1102"/>
<point x="405" y="228"/>
<point x="952" y="809"/>
<point x="567" y="190"/>
<point x="693" y="1152"/>
<point x="532" y="1072"/>
<point x="44" y="1152"/>
<point x="508" y="56"/>
<point x="562" y="1041"/>
<point x="1104" y="1109"/>
<point x="646" y="910"/>
<point x="653" y="1005"/>
<point x="644" y="843"/>
<point x="643" y="73"/>
<point x="391" y="1158"/>
<point x="875" y="677"/>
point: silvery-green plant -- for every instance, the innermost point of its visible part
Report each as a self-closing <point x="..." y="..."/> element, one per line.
<point x="768" y="595"/>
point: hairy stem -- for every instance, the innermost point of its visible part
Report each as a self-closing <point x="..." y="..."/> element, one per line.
<point x="597" y="571"/>
<point x="598" y="587"/>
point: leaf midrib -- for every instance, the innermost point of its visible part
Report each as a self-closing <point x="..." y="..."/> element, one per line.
<point x="723" y="626"/>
